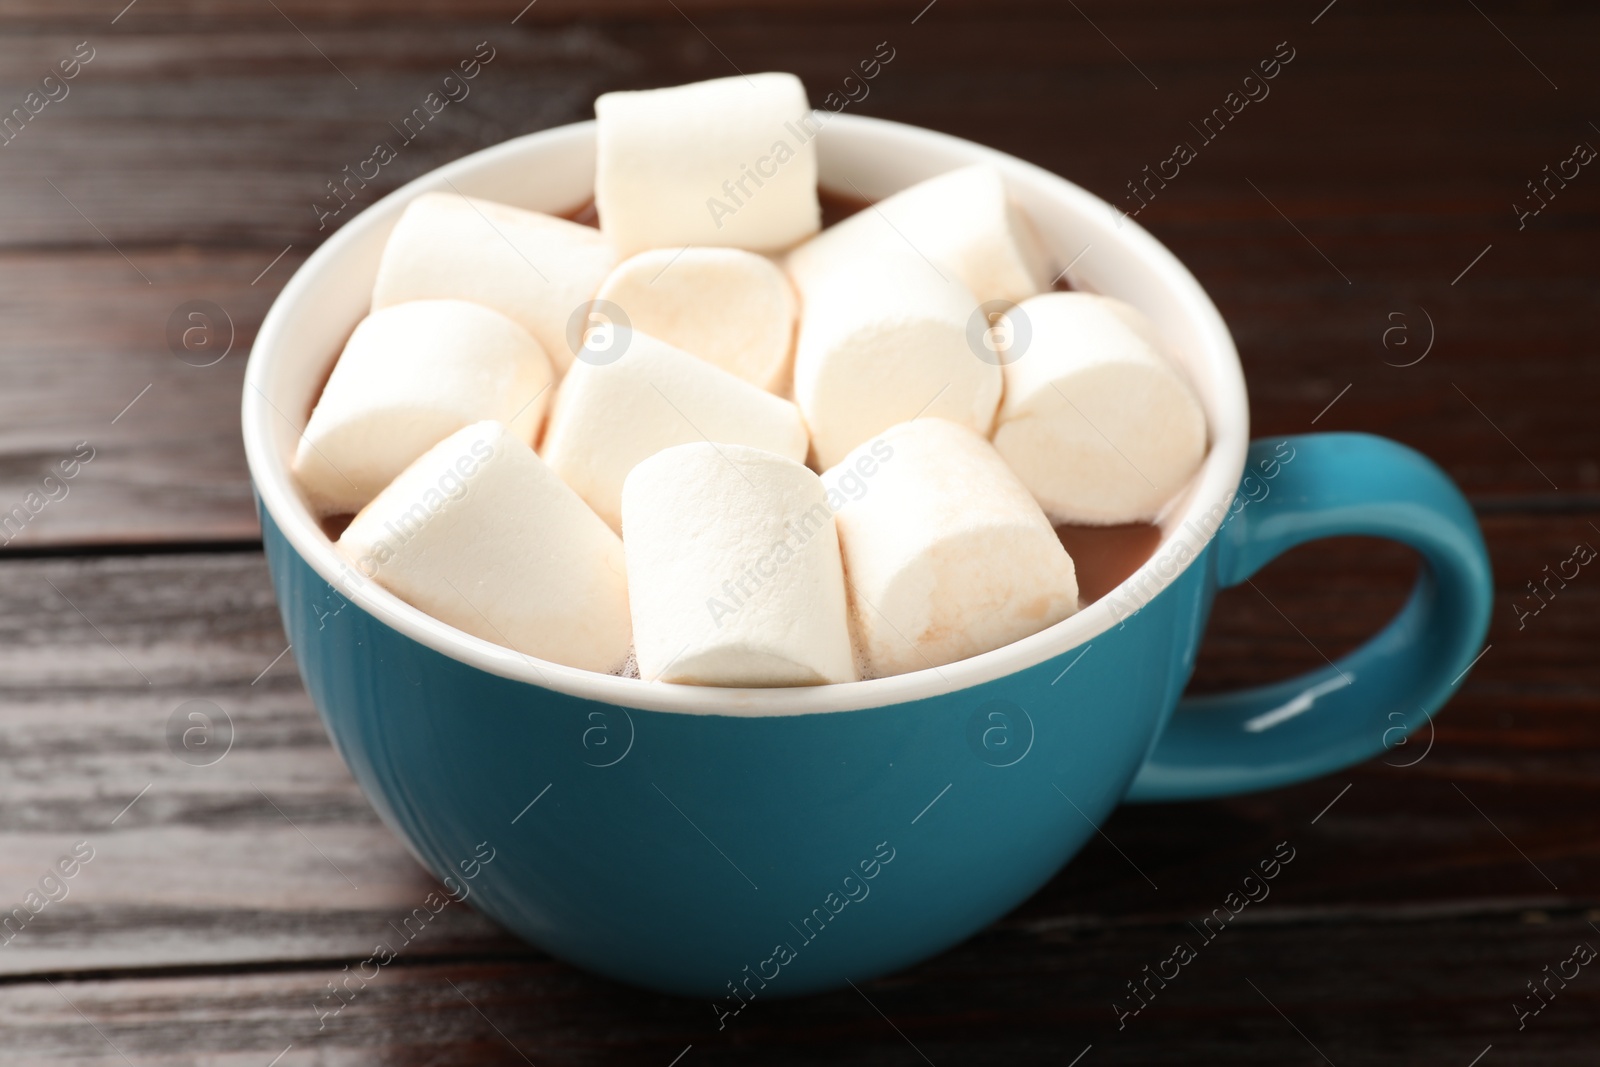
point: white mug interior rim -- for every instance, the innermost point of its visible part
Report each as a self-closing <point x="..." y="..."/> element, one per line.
<point x="553" y="171"/>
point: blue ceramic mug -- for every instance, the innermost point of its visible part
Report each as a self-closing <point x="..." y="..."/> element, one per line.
<point x="736" y="844"/>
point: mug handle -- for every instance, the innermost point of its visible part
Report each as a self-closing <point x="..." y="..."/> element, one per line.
<point x="1336" y="485"/>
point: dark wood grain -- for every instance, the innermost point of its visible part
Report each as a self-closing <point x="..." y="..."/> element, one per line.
<point x="1274" y="991"/>
<point x="1394" y="143"/>
<point x="221" y="15"/>
<point x="270" y="853"/>
<point x="1329" y="222"/>
<point x="202" y="181"/>
<point x="87" y="361"/>
<point x="210" y="865"/>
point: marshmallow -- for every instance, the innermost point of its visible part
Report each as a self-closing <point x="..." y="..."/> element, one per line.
<point x="481" y="535"/>
<point x="1096" y="422"/>
<point x="734" y="571"/>
<point x="945" y="552"/>
<point x="409" y="376"/>
<point x="535" y="269"/>
<point x="729" y="162"/>
<point x="962" y="220"/>
<point x="616" y="408"/>
<point x="884" y="338"/>
<point x="732" y="308"/>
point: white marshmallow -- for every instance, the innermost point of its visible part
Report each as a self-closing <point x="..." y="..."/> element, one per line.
<point x="410" y="376"/>
<point x="732" y="308"/>
<point x="536" y="269"/>
<point x="962" y="220"/>
<point x="1096" y="422"/>
<point x="734" y="571"/>
<point x="729" y="162"/>
<point x="609" y="416"/>
<point x="946" y="554"/>
<point x="884" y="338"/>
<point x="481" y="535"/>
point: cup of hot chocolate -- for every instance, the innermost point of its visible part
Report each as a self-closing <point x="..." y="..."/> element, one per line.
<point x="728" y="821"/>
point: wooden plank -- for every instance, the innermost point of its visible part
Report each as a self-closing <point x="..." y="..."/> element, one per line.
<point x="89" y="372"/>
<point x="230" y="161"/>
<point x="241" y="149"/>
<point x="269" y="853"/>
<point x="223" y="898"/>
<point x="262" y="121"/>
<point x="1269" y="990"/>
<point x="170" y="467"/>
<point x="273" y="855"/>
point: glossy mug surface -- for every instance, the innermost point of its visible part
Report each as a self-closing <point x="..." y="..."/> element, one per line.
<point x="741" y="843"/>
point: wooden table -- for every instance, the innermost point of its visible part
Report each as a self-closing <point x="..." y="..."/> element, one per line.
<point x="1359" y="229"/>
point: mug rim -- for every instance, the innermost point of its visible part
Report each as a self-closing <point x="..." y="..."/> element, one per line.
<point x="283" y="507"/>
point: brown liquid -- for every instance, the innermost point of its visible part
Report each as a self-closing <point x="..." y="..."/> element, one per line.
<point x="1105" y="555"/>
<point x="334" y="525"/>
<point x="836" y="207"/>
<point x="585" y="214"/>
